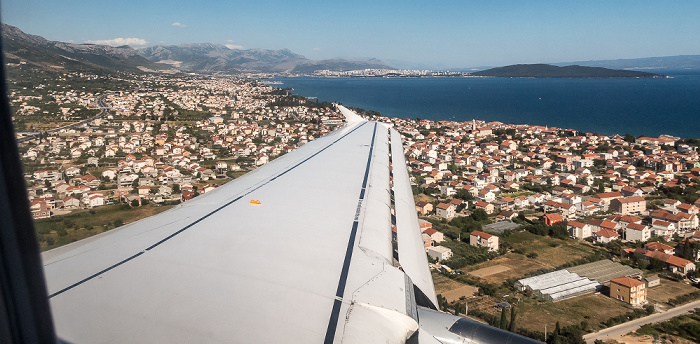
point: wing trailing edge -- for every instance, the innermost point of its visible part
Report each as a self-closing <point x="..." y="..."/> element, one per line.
<point x="411" y="251"/>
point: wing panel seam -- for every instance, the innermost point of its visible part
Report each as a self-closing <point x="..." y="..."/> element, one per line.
<point x="340" y="292"/>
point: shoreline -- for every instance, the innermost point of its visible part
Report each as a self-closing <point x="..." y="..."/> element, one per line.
<point x="390" y="100"/>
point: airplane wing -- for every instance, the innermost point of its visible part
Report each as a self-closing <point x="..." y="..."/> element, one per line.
<point x="297" y="251"/>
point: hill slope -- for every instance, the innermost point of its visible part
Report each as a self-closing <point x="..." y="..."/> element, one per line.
<point x="207" y="57"/>
<point x="550" y="71"/>
<point x="680" y="62"/>
<point x="20" y="47"/>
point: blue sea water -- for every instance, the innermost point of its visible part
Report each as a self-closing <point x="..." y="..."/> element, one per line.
<point x="607" y="106"/>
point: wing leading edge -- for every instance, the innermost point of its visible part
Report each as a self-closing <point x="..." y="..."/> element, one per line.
<point x="298" y="250"/>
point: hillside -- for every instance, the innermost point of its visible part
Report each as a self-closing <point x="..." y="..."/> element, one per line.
<point x="207" y="57"/>
<point x="36" y="51"/>
<point x="550" y="71"/>
<point x="680" y="62"/>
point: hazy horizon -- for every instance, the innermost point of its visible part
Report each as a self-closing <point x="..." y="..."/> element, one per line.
<point x="448" y="34"/>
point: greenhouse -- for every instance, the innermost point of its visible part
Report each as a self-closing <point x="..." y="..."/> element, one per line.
<point x="558" y="285"/>
<point x="604" y="270"/>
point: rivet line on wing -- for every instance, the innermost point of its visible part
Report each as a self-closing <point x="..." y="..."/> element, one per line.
<point x="335" y="311"/>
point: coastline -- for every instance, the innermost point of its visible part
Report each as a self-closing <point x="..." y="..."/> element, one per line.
<point x="648" y="106"/>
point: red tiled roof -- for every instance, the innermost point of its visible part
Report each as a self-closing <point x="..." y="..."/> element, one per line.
<point x="607" y="233"/>
<point x="657" y="246"/>
<point x="677" y="261"/>
<point x="636" y="226"/>
<point x="443" y="206"/>
<point x="627" y="282"/>
<point x="430" y="231"/>
<point x="576" y="224"/>
<point x="481" y="234"/>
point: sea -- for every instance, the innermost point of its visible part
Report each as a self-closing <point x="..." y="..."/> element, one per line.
<point x="649" y="107"/>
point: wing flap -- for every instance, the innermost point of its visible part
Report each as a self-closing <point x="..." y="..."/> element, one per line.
<point x="411" y="251"/>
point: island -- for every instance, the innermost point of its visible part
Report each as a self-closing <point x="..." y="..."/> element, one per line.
<point x="551" y="71"/>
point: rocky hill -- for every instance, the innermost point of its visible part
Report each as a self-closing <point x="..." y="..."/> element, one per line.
<point x="20" y="47"/>
<point x="550" y="71"/>
<point x="207" y="57"/>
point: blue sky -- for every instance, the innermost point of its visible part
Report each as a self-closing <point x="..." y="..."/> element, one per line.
<point x="443" y="33"/>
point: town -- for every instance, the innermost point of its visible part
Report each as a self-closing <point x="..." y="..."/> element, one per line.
<point x="591" y="228"/>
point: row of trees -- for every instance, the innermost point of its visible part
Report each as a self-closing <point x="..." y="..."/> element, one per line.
<point x="557" y="230"/>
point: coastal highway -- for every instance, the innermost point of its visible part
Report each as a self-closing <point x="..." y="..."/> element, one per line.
<point x="100" y="104"/>
<point x="625" y="328"/>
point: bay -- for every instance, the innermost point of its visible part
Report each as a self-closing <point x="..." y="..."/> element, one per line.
<point x="607" y="106"/>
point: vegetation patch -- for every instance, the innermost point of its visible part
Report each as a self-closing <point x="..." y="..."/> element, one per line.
<point x="684" y="326"/>
<point x="669" y="290"/>
<point x="64" y="229"/>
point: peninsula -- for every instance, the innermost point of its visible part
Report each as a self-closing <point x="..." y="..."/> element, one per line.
<point x="550" y="71"/>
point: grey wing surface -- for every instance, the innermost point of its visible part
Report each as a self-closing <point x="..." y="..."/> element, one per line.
<point x="297" y="251"/>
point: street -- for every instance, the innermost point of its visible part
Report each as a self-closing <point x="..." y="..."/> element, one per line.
<point x="622" y="329"/>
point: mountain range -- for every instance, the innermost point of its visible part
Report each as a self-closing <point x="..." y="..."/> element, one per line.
<point x="680" y="62"/>
<point x="207" y="57"/>
<point x="36" y="51"/>
<point x="20" y="47"/>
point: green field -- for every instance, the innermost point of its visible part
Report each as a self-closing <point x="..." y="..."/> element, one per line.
<point x="64" y="229"/>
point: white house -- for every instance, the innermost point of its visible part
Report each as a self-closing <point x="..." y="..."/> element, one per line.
<point x="481" y="239"/>
<point x="637" y="232"/>
<point x="439" y="253"/>
<point x="445" y="210"/>
<point x="487" y="196"/>
<point x="579" y="230"/>
<point x="96" y="200"/>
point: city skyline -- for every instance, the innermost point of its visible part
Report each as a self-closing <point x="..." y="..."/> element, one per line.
<point x="448" y="34"/>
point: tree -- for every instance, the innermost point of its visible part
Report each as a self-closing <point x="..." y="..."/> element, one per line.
<point x="686" y="249"/>
<point x="504" y="319"/>
<point x="513" y="314"/>
<point x="487" y="289"/>
<point x="453" y="168"/>
<point x="558" y="230"/>
<point x="479" y="215"/>
<point x="556" y="336"/>
<point x="464" y="195"/>
<point x="442" y="302"/>
<point x="460" y="308"/>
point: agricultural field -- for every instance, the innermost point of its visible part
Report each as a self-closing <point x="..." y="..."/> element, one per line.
<point x="536" y="252"/>
<point x="534" y="313"/>
<point x="669" y="290"/>
<point x="80" y="224"/>
<point x="550" y="251"/>
<point x="511" y="265"/>
<point x="451" y="289"/>
<point x="592" y="308"/>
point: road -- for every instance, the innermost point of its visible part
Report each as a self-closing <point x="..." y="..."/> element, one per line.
<point x="100" y="104"/>
<point x="623" y="329"/>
